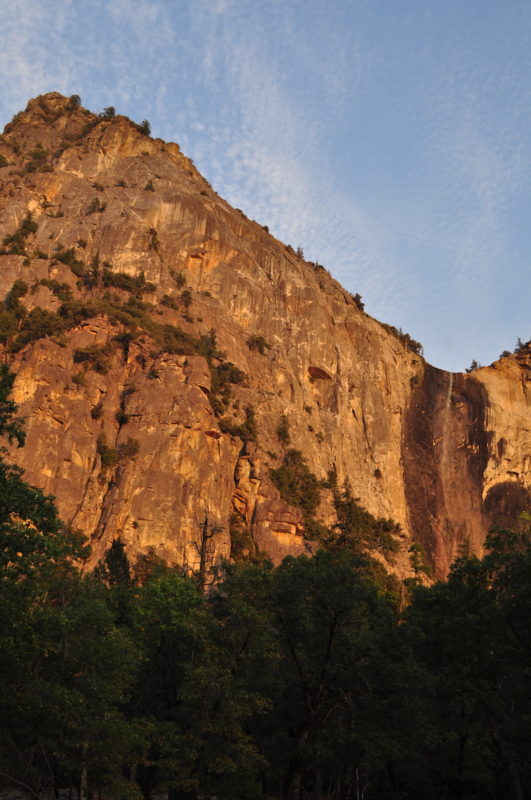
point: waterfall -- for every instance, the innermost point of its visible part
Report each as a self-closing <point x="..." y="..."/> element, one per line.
<point x="445" y="422"/>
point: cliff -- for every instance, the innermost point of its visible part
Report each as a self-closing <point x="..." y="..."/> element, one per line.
<point x="145" y="424"/>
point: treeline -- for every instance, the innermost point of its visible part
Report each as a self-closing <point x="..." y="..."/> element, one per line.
<point x="300" y="682"/>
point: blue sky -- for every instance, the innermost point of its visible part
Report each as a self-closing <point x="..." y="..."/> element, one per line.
<point x="391" y="139"/>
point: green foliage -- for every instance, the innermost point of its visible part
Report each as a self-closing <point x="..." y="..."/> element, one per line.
<point x="15" y="243"/>
<point x="419" y="562"/>
<point x="208" y="346"/>
<point x="144" y="128"/>
<point x="3" y="161"/>
<point x="169" y="302"/>
<point x="38" y="324"/>
<point x="287" y="682"/>
<point x="241" y="540"/>
<point x="178" y="277"/>
<point x="186" y="298"/>
<point x="37" y="160"/>
<point x="60" y="290"/>
<point x="114" y="568"/>
<point x="9" y="322"/>
<point x="129" y="448"/>
<point x="223" y="375"/>
<point x="108" y="113"/>
<point x="109" y="455"/>
<point x="10" y="427"/>
<point x="473" y="366"/>
<point x="358" y="530"/>
<point x="68" y="257"/>
<point x="246" y="431"/>
<point x="405" y="338"/>
<point x="135" y="284"/>
<point x="96" y="358"/>
<point x="122" y="418"/>
<point x="297" y="485"/>
<point x="97" y="411"/>
<point x="259" y="344"/>
<point x="95" y="205"/>
<point x="358" y="302"/>
<point x="283" y="430"/>
<point x="12" y="301"/>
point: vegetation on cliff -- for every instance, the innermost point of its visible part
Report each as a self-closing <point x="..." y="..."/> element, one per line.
<point x="290" y="682"/>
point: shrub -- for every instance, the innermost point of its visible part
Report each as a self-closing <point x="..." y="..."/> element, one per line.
<point x="297" y="485"/>
<point x="97" y="358"/>
<point x="109" y="455"/>
<point x="283" y="430"/>
<point x="88" y="126"/>
<point x="37" y="325"/>
<point x="521" y="346"/>
<point x="473" y="366"/>
<point x="153" y="239"/>
<point x="121" y="417"/>
<point x="208" y="346"/>
<point x="357" y="529"/>
<point x="68" y="257"/>
<point x="149" y="186"/>
<point x="186" y="298"/>
<point x="241" y="540"/>
<point x="247" y="431"/>
<point x="178" y="277"/>
<point x="37" y="159"/>
<point x="16" y="242"/>
<point x="168" y="301"/>
<point x="97" y="410"/>
<point x="94" y="205"/>
<point x="129" y="448"/>
<point x="60" y="290"/>
<point x="405" y="338"/>
<point x="74" y="101"/>
<point x="135" y="284"/>
<point x="3" y="161"/>
<point x="38" y="153"/>
<point x="8" y="324"/>
<point x="359" y="302"/>
<point x="108" y="113"/>
<point x="144" y="127"/>
<point x="223" y="375"/>
<point x="12" y="301"/>
<point x="259" y="344"/>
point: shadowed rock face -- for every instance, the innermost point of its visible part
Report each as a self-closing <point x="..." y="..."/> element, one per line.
<point x="446" y="449"/>
<point x="441" y="454"/>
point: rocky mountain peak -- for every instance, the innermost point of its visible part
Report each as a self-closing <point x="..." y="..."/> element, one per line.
<point x="173" y="358"/>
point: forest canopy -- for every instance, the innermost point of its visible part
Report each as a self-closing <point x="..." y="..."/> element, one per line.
<point x="298" y="681"/>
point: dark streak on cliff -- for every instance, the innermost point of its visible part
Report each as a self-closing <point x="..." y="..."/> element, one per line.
<point x="445" y="452"/>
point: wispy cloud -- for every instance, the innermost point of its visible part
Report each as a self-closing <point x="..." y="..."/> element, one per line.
<point x="393" y="146"/>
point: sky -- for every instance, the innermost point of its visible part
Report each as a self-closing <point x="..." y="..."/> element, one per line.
<point x="390" y="139"/>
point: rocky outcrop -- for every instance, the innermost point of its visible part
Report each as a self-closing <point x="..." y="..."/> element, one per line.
<point x="132" y="445"/>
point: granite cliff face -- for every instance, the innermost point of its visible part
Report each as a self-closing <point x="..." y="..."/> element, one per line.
<point x="147" y="436"/>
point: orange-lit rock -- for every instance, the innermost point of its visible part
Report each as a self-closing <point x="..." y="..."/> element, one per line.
<point x="441" y="454"/>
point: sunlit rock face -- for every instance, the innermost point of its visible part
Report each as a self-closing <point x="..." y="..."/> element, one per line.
<point x="132" y="447"/>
